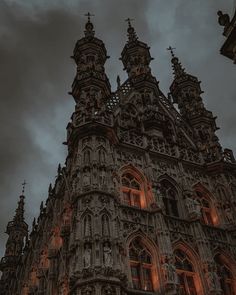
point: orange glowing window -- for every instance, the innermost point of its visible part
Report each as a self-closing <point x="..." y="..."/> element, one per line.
<point x="225" y="277"/>
<point x="141" y="266"/>
<point x="131" y="190"/>
<point x="185" y="274"/>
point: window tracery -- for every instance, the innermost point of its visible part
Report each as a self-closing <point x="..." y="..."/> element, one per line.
<point x="131" y="190"/>
<point x="186" y="273"/>
<point x="140" y="265"/>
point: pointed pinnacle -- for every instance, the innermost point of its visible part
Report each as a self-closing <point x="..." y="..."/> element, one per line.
<point x="171" y="49"/>
<point x="19" y="216"/>
<point x="131" y="32"/>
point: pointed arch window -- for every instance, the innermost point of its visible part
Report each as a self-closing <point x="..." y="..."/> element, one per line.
<point x="140" y="265"/>
<point x="170" y="198"/>
<point x="105" y="225"/>
<point x="206" y="210"/>
<point x="186" y="274"/>
<point x="225" y="276"/>
<point x="87" y="157"/>
<point x="87" y="226"/>
<point x="131" y="190"/>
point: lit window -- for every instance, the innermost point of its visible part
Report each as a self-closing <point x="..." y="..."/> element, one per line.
<point x="185" y="274"/>
<point x="131" y="190"/>
<point x="141" y="266"/>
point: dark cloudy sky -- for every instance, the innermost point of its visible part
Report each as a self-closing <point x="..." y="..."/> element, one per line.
<point x="36" y="40"/>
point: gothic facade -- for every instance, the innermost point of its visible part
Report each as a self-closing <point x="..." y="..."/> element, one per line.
<point x="146" y="200"/>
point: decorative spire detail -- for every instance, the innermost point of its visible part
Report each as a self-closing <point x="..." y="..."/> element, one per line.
<point x="19" y="216"/>
<point x="176" y="64"/>
<point x="89" y="32"/>
<point x="132" y="36"/>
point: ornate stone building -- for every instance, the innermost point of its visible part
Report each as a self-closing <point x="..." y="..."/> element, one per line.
<point x="229" y="47"/>
<point x="146" y="201"/>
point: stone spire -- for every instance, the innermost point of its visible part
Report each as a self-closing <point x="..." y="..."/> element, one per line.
<point x="176" y="64"/>
<point x="186" y="92"/>
<point x="132" y="36"/>
<point x="17" y="231"/>
<point x="136" y="56"/>
<point x="91" y="87"/>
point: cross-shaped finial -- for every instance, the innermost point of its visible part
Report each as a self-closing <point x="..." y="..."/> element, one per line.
<point x="129" y="20"/>
<point x="171" y="49"/>
<point x="89" y="15"/>
<point x="23" y="187"/>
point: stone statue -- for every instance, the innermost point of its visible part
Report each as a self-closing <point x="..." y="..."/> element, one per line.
<point x="102" y="176"/>
<point x="107" y="253"/>
<point x="213" y="280"/>
<point x="170" y="272"/>
<point x="115" y="179"/>
<point x="87" y="256"/>
<point x="223" y="19"/>
<point x="229" y="215"/>
<point x="86" y="178"/>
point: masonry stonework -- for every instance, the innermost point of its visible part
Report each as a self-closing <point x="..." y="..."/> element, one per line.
<point x="146" y="200"/>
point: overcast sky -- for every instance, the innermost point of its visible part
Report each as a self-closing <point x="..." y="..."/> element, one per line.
<point x="36" y="41"/>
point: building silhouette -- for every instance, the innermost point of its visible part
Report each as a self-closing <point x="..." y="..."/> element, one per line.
<point x="145" y="203"/>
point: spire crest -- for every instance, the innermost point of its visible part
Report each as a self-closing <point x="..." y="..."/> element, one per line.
<point x="23" y="187"/>
<point x="89" y="32"/>
<point x="132" y="36"/>
<point x="176" y="64"/>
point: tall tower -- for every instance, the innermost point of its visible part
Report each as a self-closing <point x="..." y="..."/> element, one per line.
<point x="146" y="200"/>
<point x="186" y="92"/>
<point x="17" y="231"/>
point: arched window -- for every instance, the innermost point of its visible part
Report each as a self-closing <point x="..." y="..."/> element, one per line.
<point x="87" y="226"/>
<point x="87" y="157"/>
<point x="131" y="190"/>
<point x="206" y="210"/>
<point x="169" y="198"/>
<point x="105" y="225"/>
<point x="186" y="273"/>
<point x="101" y="156"/>
<point x="140" y="265"/>
<point x="225" y="275"/>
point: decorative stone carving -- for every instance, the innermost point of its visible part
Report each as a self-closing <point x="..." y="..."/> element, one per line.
<point x="87" y="290"/>
<point x="107" y="255"/>
<point x="102" y="176"/>
<point x="108" y="290"/>
<point x="86" y="177"/>
<point x="194" y="207"/>
<point x="213" y="280"/>
<point x="87" y="258"/>
<point x="169" y="271"/>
